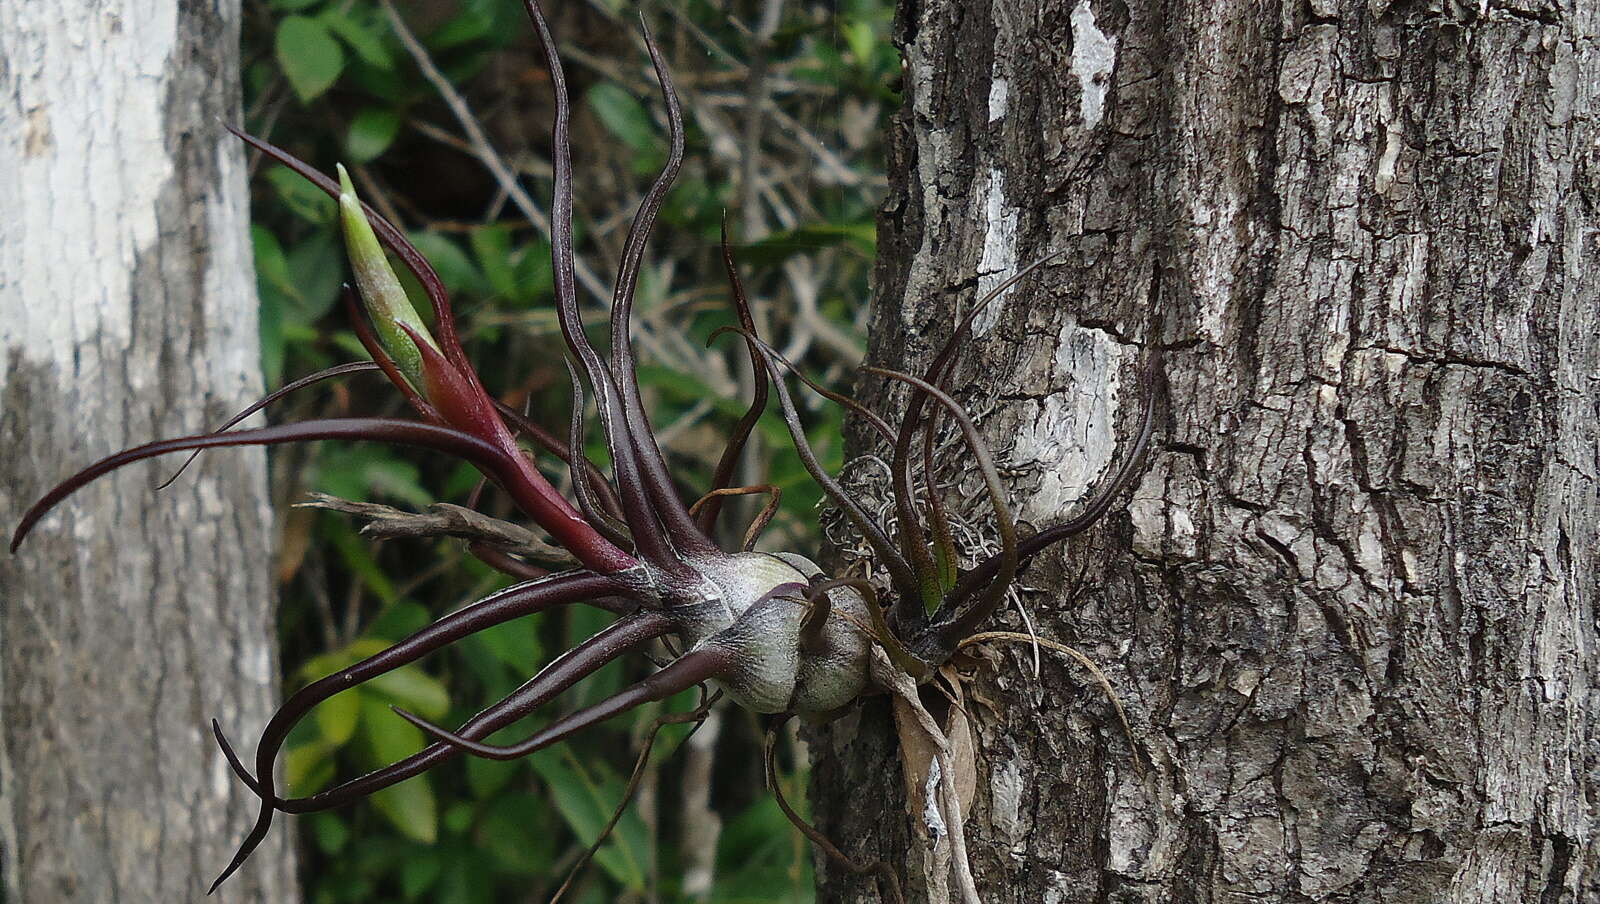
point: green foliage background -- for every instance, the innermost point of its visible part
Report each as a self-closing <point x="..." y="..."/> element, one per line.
<point x="784" y="105"/>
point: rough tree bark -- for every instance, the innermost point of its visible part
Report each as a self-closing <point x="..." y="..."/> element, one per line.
<point x="127" y="313"/>
<point x="1352" y="606"/>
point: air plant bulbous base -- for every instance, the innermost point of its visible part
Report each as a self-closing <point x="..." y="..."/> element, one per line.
<point x="760" y="616"/>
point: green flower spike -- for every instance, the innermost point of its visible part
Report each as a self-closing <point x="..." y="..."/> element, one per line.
<point x="380" y="288"/>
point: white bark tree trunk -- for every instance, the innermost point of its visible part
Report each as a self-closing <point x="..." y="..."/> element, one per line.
<point x="1352" y="606"/>
<point x="127" y="313"/>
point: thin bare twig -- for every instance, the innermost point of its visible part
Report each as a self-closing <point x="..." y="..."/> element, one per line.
<point x="443" y="520"/>
<point x="879" y="868"/>
<point x="482" y="149"/>
<point x="698" y="714"/>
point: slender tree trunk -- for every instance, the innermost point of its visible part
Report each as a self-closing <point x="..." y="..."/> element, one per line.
<point x="1352" y="607"/>
<point x="127" y="313"/>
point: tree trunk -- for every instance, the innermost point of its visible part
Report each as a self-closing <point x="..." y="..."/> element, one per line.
<point x="128" y="314"/>
<point x="1352" y="606"/>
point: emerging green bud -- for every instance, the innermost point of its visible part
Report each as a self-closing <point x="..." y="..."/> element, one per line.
<point x="385" y="299"/>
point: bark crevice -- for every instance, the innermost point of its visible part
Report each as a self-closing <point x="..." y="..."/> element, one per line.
<point x="1349" y="605"/>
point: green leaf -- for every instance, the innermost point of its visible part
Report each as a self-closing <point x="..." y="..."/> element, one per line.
<point x="316" y="266"/>
<point x="338" y="716"/>
<point x="452" y="264"/>
<point x="493" y="22"/>
<point x="460" y="483"/>
<point x="413" y="689"/>
<point x="758" y="861"/>
<point x="365" y="41"/>
<point x="515" y="643"/>
<point x="372" y="852"/>
<point x="419" y="874"/>
<point x="310" y="57"/>
<point x="486" y="777"/>
<point x="353" y="551"/>
<point x="399" y="479"/>
<point x="410" y="805"/>
<point x="308" y="767"/>
<point x="583" y="623"/>
<point x="512" y="833"/>
<point x="355" y="890"/>
<point x="491" y="245"/>
<point x="623" y="116"/>
<point x="371" y="132"/>
<point x="586" y="798"/>
<point x="398" y="621"/>
<point x="330" y="831"/>
<point x="363" y="472"/>
<point x="466" y="879"/>
<point x="271" y="265"/>
<point x="302" y="198"/>
<point x="469" y="26"/>
<point x="273" y="347"/>
<point x="346" y="341"/>
<point x="534" y="279"/>
<point x="272" y="276"/>
<point x="497" y="680"/>
<point x="332" y="661"/>
<point x="685" y="388"/>
<point x="388" y="86"/>
<point x="863" y="42"/>
<point x="861" y="237"/>
<point x="458" y="818"/>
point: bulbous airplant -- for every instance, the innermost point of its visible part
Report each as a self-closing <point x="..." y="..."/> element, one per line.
<point x="773" y="631"/>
